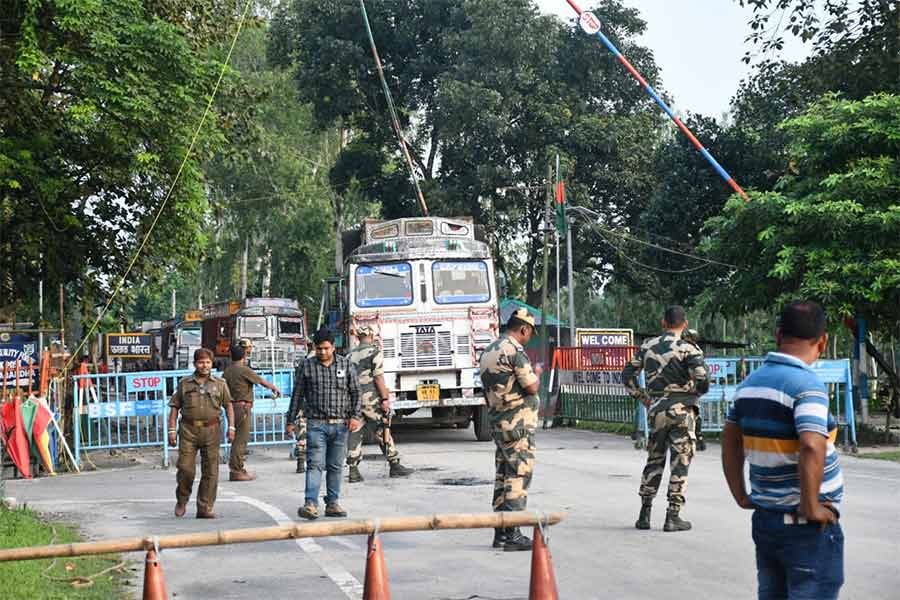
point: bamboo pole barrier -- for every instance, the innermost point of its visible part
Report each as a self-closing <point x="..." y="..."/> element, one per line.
<point x="286" y="532"/>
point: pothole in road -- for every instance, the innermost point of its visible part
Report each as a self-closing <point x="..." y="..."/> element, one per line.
<point x="464" y="481"/>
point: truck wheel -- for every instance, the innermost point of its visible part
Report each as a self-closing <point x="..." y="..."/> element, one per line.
<point x="481" y="422"/>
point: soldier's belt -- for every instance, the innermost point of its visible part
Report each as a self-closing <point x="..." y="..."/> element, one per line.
<point x="200" y="422"/>
<point x="329" y="420"/>
<point x="250" y="402"/>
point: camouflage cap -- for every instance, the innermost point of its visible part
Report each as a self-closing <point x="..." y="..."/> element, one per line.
<point x="364" y="330"/>
<point x="691" y="335"/>
<point x="245" y="343"/>
<point x="523" y="315"/>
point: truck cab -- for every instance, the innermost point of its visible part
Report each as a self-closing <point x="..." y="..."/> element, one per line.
<point x="427" y="287"/>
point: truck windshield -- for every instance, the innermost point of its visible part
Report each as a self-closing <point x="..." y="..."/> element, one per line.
<point x="290" y="327"/>
<point x="189" y="337"/>
<point x="460" y="282"/>
<point x="384" y="285"/>
<point x="253" y="327"/>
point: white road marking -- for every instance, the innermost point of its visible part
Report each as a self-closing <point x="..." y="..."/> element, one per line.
<point x="347" y="583"/>
<point x="342" y="578"/>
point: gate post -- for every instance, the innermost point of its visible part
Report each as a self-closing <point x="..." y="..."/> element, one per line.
<point x="76" y="421"/>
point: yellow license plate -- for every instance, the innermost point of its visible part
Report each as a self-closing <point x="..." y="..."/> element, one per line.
<point x="428" y="392"/>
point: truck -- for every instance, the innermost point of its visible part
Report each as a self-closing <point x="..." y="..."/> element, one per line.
<point x="428" y="288"/>
<point x="181" y="336"/>
<point x="276" y="326"/>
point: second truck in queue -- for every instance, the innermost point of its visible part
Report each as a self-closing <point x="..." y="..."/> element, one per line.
<point x="276" y="326"/>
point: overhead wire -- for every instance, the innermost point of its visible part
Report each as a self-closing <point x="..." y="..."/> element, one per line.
<point x="168" y="195"/>
<point x="606" y="231"/>
<point x="578" y="211"/>
<point x="395" y="121"/>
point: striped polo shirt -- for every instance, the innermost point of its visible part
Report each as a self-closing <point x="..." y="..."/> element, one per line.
<point x="772" y="406"/>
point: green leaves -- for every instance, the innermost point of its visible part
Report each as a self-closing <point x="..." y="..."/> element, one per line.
<point x="833" y="233"/>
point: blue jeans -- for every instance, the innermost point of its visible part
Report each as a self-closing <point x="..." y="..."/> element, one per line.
<point x="326" y="448"/>
<point x="797" y="562"/>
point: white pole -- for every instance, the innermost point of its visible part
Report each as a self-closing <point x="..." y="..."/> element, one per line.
<point x="558" y="312"/>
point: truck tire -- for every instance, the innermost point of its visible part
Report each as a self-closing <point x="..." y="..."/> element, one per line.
<point x="481" y="423"/>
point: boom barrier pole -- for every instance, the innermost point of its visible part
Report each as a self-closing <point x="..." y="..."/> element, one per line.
<point x="287" y="532"/>
<point x="590" y="24"/>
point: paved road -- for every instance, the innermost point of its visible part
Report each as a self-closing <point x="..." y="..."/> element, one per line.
<point x="597" y="553"/>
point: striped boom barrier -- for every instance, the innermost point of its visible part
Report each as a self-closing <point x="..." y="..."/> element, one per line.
<point x="591" y="25"/>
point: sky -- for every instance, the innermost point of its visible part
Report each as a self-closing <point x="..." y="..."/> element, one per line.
<point x="698" y="45"/>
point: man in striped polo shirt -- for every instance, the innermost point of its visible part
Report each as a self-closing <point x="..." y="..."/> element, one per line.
<point x="781" y="425"/>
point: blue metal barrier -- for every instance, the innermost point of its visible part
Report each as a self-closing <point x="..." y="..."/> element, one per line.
<point x="130" y="410"/>
<point x="727" y="373"/>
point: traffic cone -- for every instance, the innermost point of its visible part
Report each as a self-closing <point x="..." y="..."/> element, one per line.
<point x="154" y="582"/>
<point x="376" y="585"/>
<point x="543" y="582"/>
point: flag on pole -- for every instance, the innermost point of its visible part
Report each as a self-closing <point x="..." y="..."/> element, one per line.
<point x="561" y="208"/>
<point x="35" y="418"/>
<point x="15" y="438"/>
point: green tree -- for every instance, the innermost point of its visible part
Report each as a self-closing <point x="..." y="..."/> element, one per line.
<point x="831" y="230"/>
<point x="98" y="102"/>
<point x="488" y="100"/>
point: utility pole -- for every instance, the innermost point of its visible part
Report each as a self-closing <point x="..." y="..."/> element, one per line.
<point x="244" y="267"/>
<point x="558" y="311"/>
<point x="544" y="278"/>
<point x="40" y="316"/>
<point x="173" y="303"/>
<point x="571" y="281"/>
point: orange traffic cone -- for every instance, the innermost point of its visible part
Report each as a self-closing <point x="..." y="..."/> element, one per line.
<point x="154" y="582"/>
<point x="376" y="585"/>
<point x="543" y="582"/>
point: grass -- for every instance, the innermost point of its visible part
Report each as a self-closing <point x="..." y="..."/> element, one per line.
<point x="53" y="579"/>
<point x="893" y="455"/>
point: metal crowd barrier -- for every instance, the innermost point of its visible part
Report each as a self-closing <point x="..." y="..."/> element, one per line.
<point x="589" y="388"/>
<point x="130" y="410"/>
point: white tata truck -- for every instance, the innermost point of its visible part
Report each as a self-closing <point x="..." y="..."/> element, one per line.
<point x="427" y="287"/>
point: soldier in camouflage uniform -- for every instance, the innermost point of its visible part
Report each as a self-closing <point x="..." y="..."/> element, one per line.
<point x="511" y="388"/>
<point x="676" y="376"/>
<point x="299" y="450"/>
<point x="376" y="408"/>
<point x="693" y="336"/>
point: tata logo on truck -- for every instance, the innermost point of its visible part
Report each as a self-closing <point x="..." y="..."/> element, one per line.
<point x="423" y="329"/>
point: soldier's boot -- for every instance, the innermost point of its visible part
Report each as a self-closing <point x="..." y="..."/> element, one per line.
<point x="301" y="465"/>
<point x="674" y="522"/>
<point x="515" y="540"/>
<point x="355" y="476"/>
<point x="701" y="444"/>
<point x="398" y="470"/>
<point x="643" y="521"/>
<point x="499" y="537"/>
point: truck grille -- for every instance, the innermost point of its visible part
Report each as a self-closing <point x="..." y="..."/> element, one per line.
<point x="462" y="345"/>
<point x="265" y="358"/>
<point x="426" y="350"/>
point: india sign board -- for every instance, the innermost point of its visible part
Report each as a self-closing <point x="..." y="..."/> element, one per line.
<point x="595" y="338"/>
<point x="128" y="345"/>
<point x="137" y="408"/>
<point x="23" y="354"/>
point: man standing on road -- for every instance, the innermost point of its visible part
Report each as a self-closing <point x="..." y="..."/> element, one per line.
<point x="200" y="399"/>
<point x="376" y="407"/>
<point x="241" y="379"/>
<point x="327" y="390"/>
<point x="511" y="387"/>
<point x="676" y="376"/>
<point x="780" y="423"/>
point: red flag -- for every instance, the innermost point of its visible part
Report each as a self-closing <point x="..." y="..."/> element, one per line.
<point x="14" y="437"/>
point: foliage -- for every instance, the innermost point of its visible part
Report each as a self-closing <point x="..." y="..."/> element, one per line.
<point x="98" y="102"/>
<point x="831" y="231"/>
<point x="271" y="196"/>
<point x="487" y="102"/>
